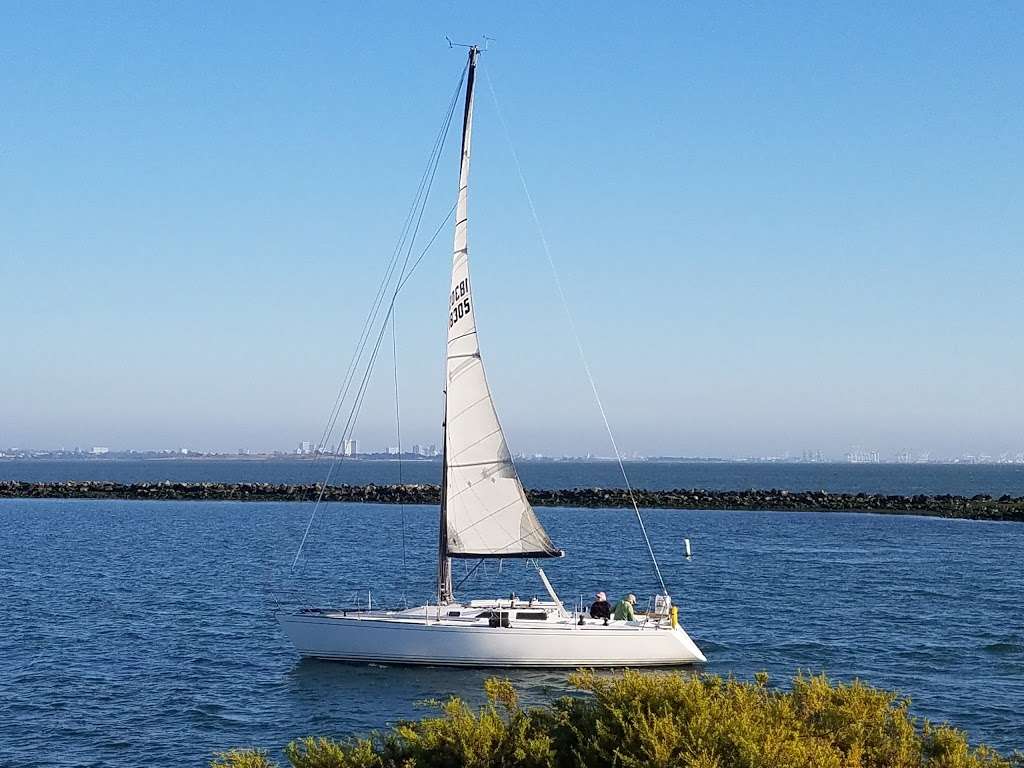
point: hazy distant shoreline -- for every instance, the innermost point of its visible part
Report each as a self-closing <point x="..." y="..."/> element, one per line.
<point x="978" y="507"/>
<point x="168" y="456"/>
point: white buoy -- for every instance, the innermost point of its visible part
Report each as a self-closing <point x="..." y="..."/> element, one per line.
<point x="686" y="543"/>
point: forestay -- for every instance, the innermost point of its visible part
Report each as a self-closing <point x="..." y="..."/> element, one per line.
<point x="485" y="506"/>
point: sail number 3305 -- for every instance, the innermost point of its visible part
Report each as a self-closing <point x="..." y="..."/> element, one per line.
<point x="458" y="302"/>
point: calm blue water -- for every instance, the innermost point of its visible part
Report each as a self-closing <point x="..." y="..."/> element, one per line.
<point x="851" y="478"/>
<point x="142" y="632"/>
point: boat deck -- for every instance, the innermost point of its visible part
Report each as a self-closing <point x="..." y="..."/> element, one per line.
<point x="535" y="615"/>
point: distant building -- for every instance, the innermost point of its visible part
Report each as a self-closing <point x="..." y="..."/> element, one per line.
<point x="97" y="450"/>
<point x="859" y="456"/>
<point x="350" y="447"/>
<point x="305" y="447"/>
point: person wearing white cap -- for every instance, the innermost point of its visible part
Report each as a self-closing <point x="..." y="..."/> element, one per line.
<point x="601" y="608"/>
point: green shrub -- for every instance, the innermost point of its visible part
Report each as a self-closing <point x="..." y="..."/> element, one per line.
<point x="654" y="721"/>
<point x="243" y="758"/>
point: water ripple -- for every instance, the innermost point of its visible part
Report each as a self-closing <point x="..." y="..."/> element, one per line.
<point x="143" y="632"/>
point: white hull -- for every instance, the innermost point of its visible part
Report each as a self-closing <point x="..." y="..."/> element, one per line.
<point x="418" y="637"/>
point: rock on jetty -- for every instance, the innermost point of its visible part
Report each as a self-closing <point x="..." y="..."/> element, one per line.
<point x="980" y="507"/>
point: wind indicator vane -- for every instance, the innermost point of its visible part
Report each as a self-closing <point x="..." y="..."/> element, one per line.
<point x="487" y="42"/>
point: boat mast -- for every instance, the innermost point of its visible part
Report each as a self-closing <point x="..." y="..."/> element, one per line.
<point x="444" y="562"/>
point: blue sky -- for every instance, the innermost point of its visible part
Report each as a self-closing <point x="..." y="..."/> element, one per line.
<point x="780" y="226"/>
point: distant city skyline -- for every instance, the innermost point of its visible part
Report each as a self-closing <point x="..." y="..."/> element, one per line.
<point x="349" y="448"/>
<point x="779" y="229"/>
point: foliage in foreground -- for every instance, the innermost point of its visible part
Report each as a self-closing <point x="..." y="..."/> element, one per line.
<point x="653" y="720"/>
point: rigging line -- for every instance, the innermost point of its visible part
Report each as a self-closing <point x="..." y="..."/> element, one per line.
<point x="398" y="433"/>
<point x="422" y="194"/>
<point x="418" y="202"/>
<point x="361" y="390"/>
<point x="381" y="289"/>
<point x="575" y="333"/>
<point x="465" y="578"/>
<point x="357" y="403"/>
<point x="426" y="248"/>
<point x="350" y="422"/>
<point x="403" y="277"/>
<point x="347" y="430"/>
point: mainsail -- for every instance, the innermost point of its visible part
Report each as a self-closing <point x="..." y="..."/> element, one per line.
<point x="484" y="508"/>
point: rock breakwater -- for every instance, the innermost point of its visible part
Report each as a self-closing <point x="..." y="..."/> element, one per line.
<point x="980" y="507"/>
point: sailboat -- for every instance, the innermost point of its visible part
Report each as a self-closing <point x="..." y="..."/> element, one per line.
<point x="484" y="513"/>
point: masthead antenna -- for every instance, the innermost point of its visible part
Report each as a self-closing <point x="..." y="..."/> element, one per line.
<point x="453" y="44"/>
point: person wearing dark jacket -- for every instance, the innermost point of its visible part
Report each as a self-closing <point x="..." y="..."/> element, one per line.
<point x="601" y="608"/>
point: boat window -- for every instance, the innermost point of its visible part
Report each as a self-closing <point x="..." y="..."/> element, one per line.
<point x="532" y="615"/>
<point x="454" y="613"/>
<point x="501" y="613"/>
